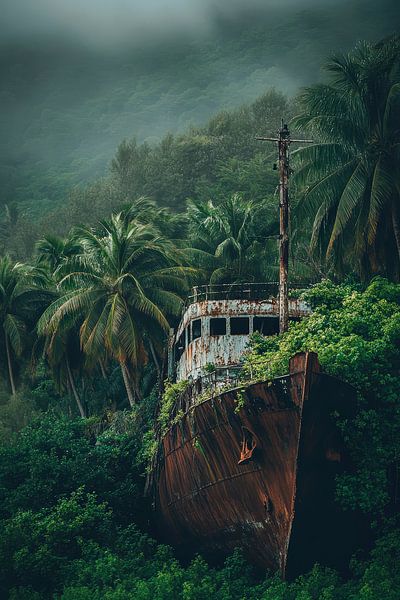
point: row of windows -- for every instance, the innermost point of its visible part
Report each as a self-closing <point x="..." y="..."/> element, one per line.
<point x="218" y="326"/>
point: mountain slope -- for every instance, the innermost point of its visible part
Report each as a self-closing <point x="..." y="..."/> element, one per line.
<point x="66" y="107"/>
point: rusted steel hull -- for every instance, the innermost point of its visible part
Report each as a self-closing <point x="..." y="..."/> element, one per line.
<point x="210" y="499"/>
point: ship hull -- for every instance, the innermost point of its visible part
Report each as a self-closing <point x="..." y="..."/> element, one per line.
<point x="238" y="469"/>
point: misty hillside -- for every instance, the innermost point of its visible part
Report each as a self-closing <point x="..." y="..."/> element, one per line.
<point x="67" y="105"/>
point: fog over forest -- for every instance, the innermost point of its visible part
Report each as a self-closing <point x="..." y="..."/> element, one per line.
<point x="103" y="23"/>
<point x="77" y="78"/>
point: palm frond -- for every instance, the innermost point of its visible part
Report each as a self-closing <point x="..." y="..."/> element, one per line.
<point x="350" y="198"/>
<point x="381" y="193"/>
<point x="327" y="189"/>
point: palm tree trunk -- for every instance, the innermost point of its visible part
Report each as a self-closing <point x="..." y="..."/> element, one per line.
<point x="74" y="391"/>
<point x="10" y="369"/>
<point x="155" y="359"/>
<point x="133" y="379"/>
<point x="137" y="391"/>
<point x="127" y="383"/>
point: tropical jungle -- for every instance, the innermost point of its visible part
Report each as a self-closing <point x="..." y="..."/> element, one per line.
<point x="90" y="287"/>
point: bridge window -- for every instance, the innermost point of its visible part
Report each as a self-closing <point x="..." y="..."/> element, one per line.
<point x="266" y="325"/>
<point x="240" y="325"/>
<point x="180" y="345"/>
<point x="196" y="329"/>
<point x="218" y="326"/>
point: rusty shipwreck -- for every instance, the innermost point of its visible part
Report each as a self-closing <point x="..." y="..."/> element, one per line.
<point x="250" y="466"/>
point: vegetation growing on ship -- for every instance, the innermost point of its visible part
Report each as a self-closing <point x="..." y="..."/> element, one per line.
<point x="240" y="400"/>
<point x="169" y="398"/>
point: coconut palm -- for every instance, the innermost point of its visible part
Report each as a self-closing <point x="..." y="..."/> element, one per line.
<point x="125" y="283"/>
<point x="144" y="210"/>
<point x="22" y="296"/>
<point x="53" y="251"/>
<point x="60" y="348"/>
<point x="230" y="239"/>
<point x="64" y="358"/>
<point x="351" y="174"/>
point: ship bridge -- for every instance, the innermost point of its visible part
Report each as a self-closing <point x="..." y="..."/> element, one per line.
<point x="216" y="324"/>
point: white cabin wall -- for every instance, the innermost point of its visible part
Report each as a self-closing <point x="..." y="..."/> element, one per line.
<point x="223" y="350"/>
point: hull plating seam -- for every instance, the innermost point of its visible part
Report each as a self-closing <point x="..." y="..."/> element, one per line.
<point x="211" y="484"/>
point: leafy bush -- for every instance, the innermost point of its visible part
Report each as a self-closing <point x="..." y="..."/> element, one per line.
<point x="170" y="396"/>
<point x="54" y="456"/>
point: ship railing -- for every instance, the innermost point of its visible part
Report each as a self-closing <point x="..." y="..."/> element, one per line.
<point x="237" y="291"/>
<point x="220" y="377"/>
<point x="207" y="385"/>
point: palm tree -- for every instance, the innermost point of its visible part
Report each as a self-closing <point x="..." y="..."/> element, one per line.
<point x="351" y="175"/>
<point x="53" y="251"/>
<point x="144" y="210"/>
<point x="124" y="284"/>
<point x="22" y="295"/>
<point x="63" y="356"/>
<point x="230" y="239"/>
<point x="59" y="348"/>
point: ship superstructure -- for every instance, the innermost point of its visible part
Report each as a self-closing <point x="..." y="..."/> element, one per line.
<point x="216" y="325"/>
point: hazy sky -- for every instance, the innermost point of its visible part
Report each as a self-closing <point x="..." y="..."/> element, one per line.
<point x="111" y="22"/>
<point x="78" y="76"/>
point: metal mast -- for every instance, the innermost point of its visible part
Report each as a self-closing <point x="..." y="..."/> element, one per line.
<point x="284" y="140"/>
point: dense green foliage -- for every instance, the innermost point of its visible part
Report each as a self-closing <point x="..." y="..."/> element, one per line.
<point x="170" y="396"/>
<point x="22" y="297"/>
<point x="212" y="162"/>
<point x="345" y="182"/>
<point x="231" y="239"/>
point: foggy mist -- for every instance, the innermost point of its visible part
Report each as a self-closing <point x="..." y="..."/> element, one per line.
<point x="115" y="22"/>
<point x="79" y="77"/>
